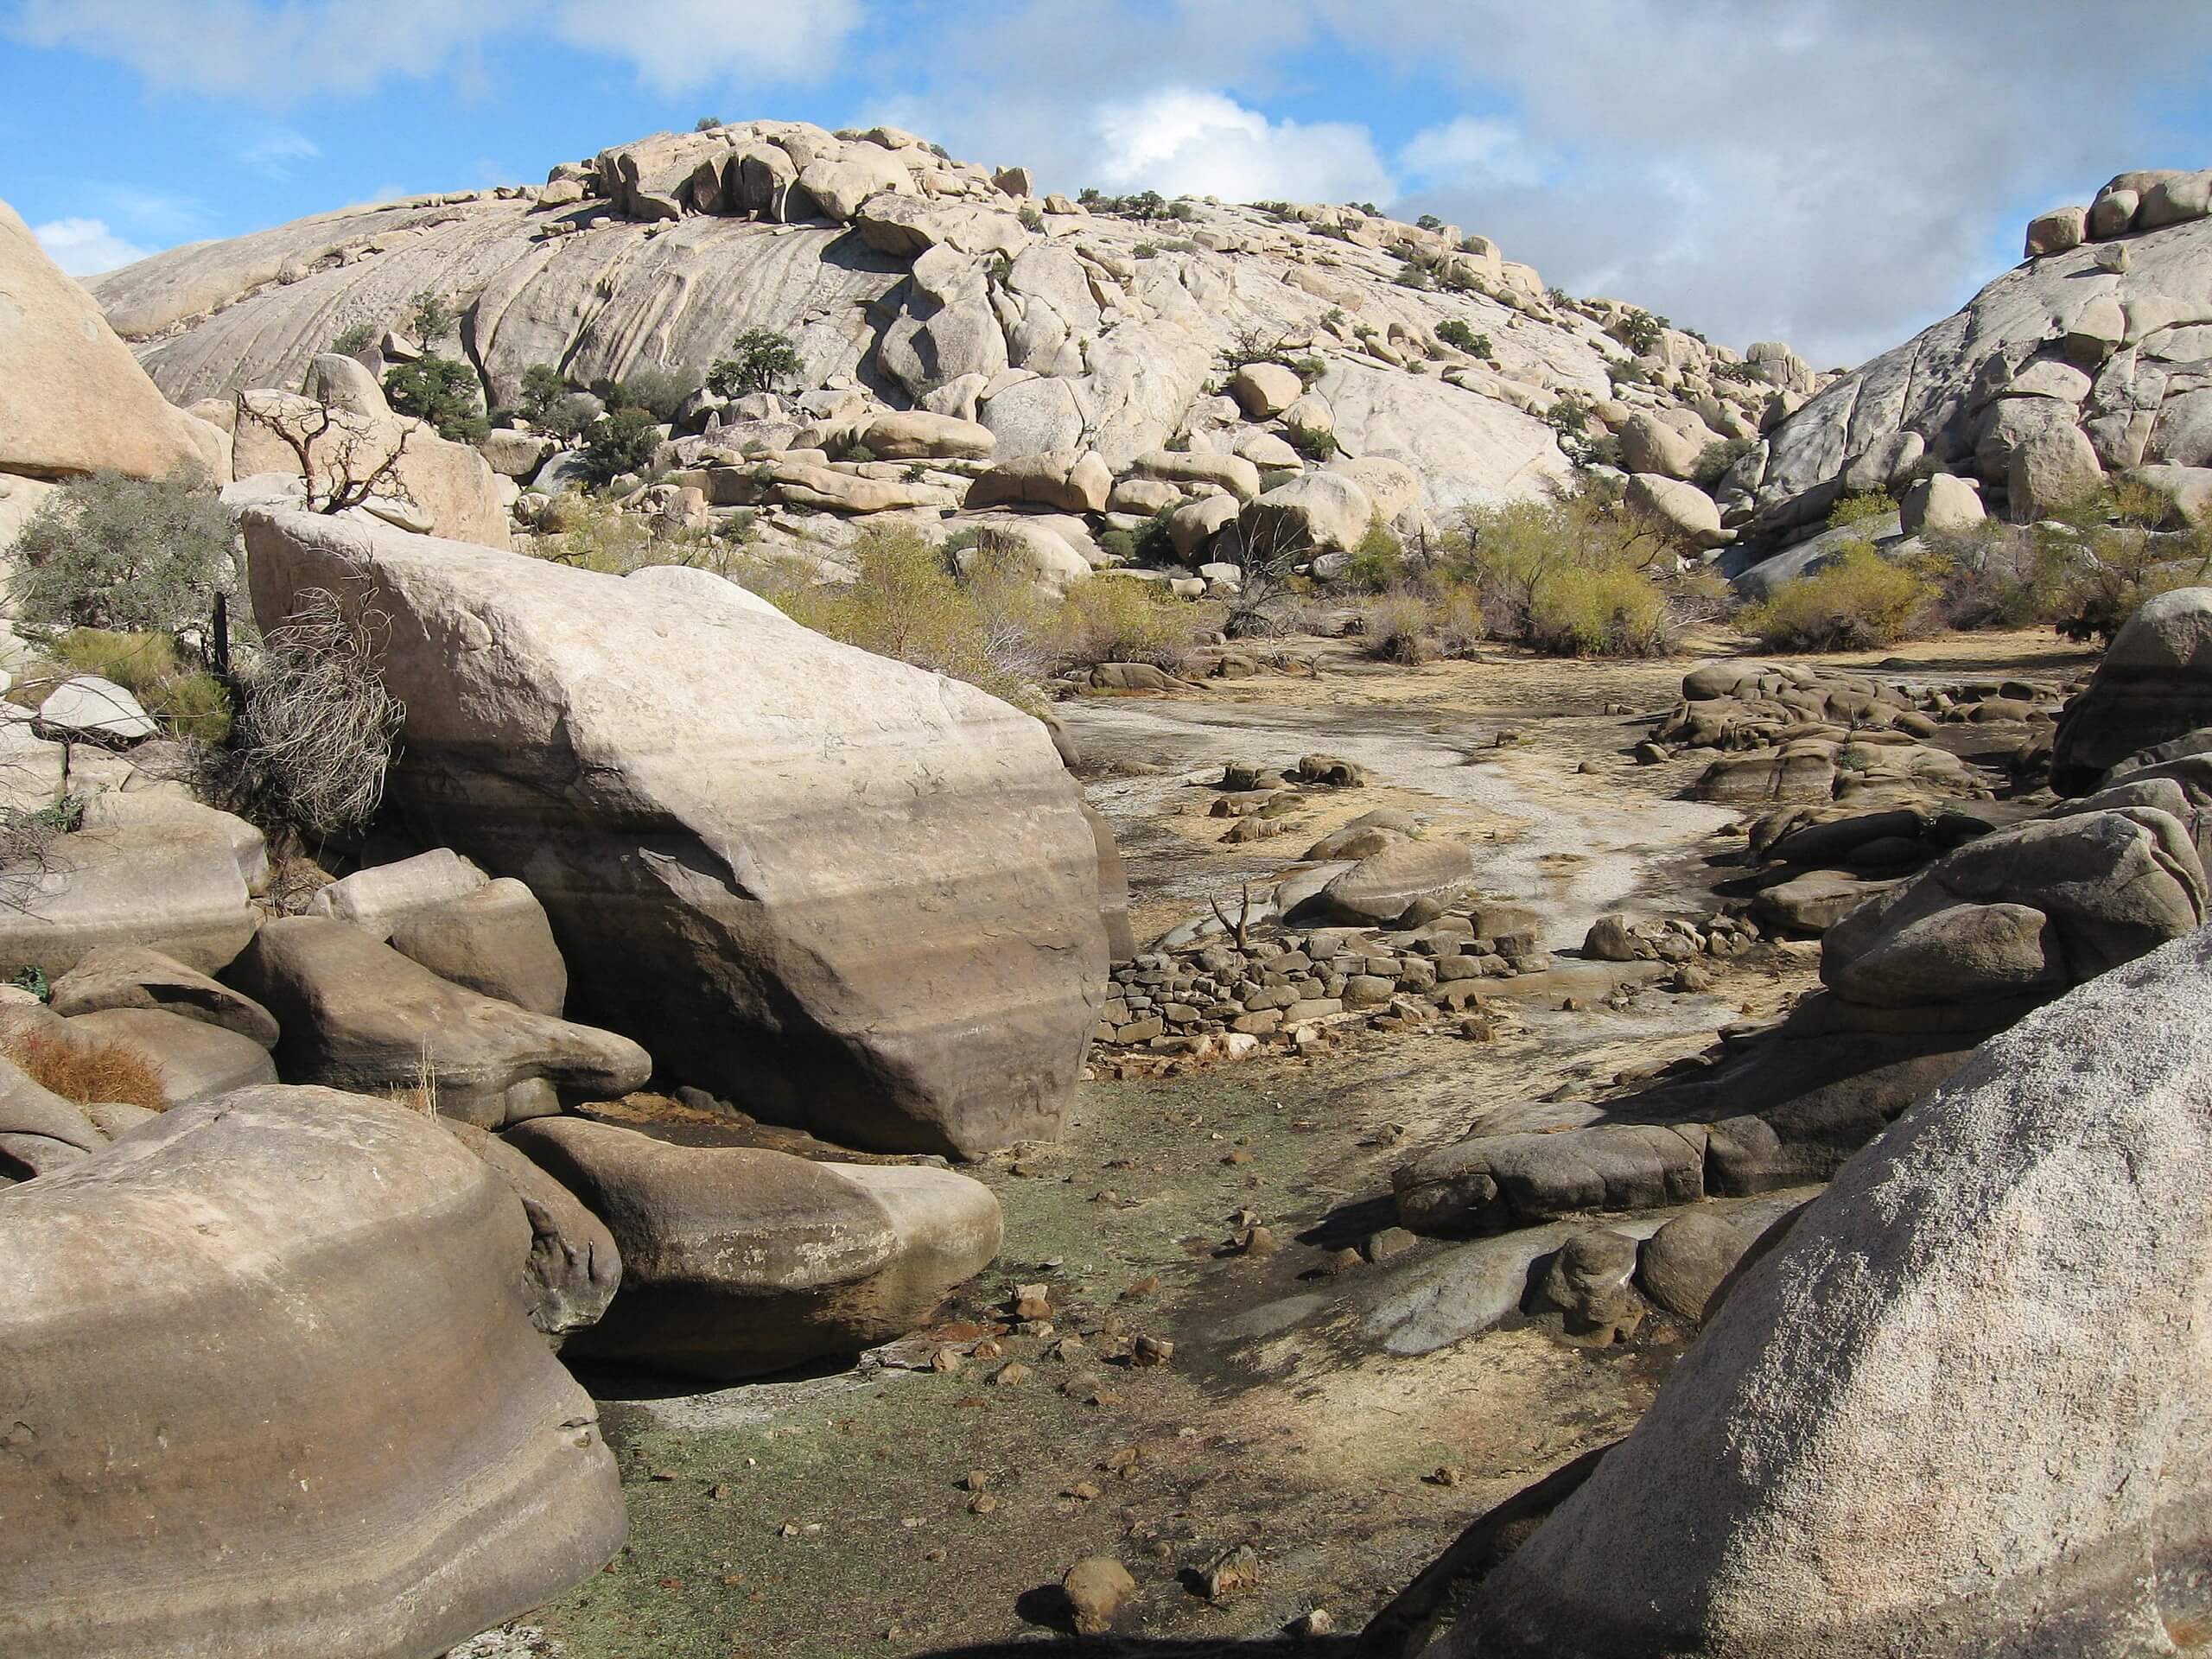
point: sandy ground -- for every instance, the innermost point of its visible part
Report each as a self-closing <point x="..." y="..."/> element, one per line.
<point x="822" y="1516"/>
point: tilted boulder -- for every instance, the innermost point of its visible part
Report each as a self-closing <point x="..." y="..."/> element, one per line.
<point x="738" y="1262"/>
<point x="2155" y="684"/>
<point x="40" y="1131"/>
<point x="249" y="1421"/>
<point x="848" y="893"/>
<point x="1954" y="1412"/>
<point x="358" y="1014"/>
<point x="73" y="399"/>
<point x="133" y="976"/>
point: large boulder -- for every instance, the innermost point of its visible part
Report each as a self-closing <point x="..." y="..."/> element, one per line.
<point x="73" y="399"/>
<point x="2154" y="685"/>
<point x="1954" y="1411"/>
<point x="848" y="893"/>
<point x="276" y="1389"/>
<point x="1314" y="512"/>
<point x="738" y="1262"/>
<point x="133" y="976"/>
<point x="1071" y="480"/>
<point x="358" y="1014"/>
<point x="1682" y="511"/>
<point x="141" y="869"/>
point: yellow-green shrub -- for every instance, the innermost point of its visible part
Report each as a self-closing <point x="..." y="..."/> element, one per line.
<point x="1860" y="600"/>
<point x="190" y="702"/>
<point x="1858" y="509"/>
<point x="1599" y="612"/>
<point x="1119" y="620"/>
<point x="1571" y="573"/>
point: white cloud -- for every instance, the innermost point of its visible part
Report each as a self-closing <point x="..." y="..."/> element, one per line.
<point x="278" y="151"/>
<point x="681" y="46"/>
<point x="1180" y="141"/>
<point x="1468" y="150"/>
<point x="85" y="247"/>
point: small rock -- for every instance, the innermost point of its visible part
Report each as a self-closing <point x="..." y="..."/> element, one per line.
<point x="1233" y="1574"/>
<point x="1151" y="1351"/>
<point x="1446" y="1474"/>
<point x="982" y="1503"/>
<point x="1082" y="1491"/>
<point x="975" y="1480"/>
<point x="1012" y="1376"/>
<point x="1317" y="1622"/>
<point x="946" y="1360"/>
<point x="1257" y="1241"/>
<point x="1095" y="1587"/>
<point x="1142" y="1289"/>
<point x="1032" y="1302"/>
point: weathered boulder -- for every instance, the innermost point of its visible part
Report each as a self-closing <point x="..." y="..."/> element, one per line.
<point x="134" y="976"/>
<point x="1233" y="474"/>
<point x="2057" y="232"/>
<point x="733" y="822"/>
<point x="1943" y="504"/>
<point x="1073" y="481"/>
<point x="1651" y="446"/>
<point x="437" y="1471"/>
<point x="73" y="399"/>
<point x="1263" y="391"/>
<point x="737" y="1261"/>
<point x="914" y="435"/>
<point x="1196" y="523"/>
<point x="2052" y="470"/>
<point x="358" y="1014"/>
<point x="141" y="869"/>
<point x="191" y="1059"/>
<point x="41" y="1131"/>
<point x="85" y="705"/>
<point x="1683" y="511"/>
<point x="378" y="898"/>
<point x="496" y="940"/>
<point x="1986" y="1261"/>
<point x="573" y="1269"/>
<point x="1384" y="886"/>
<point x="2154" y="684"/>
<point x="1314" y="512"/>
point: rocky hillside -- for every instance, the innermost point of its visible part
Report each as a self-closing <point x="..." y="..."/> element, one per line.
<point x="933" y="284"/>
<point x="2092" y="356"/>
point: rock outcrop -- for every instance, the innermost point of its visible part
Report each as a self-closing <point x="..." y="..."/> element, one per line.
<point x="2154" y="686"/>
<point x="847" y="893"/>
<point x="1953" y="1413"/>
<point x="245" y="1421"/>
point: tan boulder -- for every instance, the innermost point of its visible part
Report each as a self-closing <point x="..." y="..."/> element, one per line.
<point x="72" y="398"/>
<point x="917" y="435"/>
<point x="1234" y="473"/>
<point x="1072" y="480"/>
<point x="449" y="486"/>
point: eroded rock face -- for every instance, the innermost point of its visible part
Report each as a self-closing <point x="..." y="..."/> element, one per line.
<point x="2027" y="1259"/>
<point x="740" y="1262"/>
<point x="434" y="1470"/>
<point x="852" y="894"/>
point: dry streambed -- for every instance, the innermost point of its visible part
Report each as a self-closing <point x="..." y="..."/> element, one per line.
<point x="1326" y="1399"/>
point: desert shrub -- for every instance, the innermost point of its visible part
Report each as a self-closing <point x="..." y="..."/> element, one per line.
<point x="1379" y="560"/>
<point x="353" y="337"/>
<point x="859" y="454"/>
<point x="623" y="441"/>
<point x="707" y="124"/>
<point x="1153" y="542"/>
<point x="1858" y="509"/>
<point x="1309" y="368"/>
<point x="1744" y="374"/>
<point x="175" y="689"/>
<point x="1032" y="220"/>
<point x="1144" y="251"/>
<point x="443" y="390"/>
<point x="1411" y="275"/>
<point x="1599" y="611"/>
<point x="759" y="358"/>
<point x="567" y="417"/>
<point x="1569" y="415"/>
<point x="87" y="1071"/>
<point x="1428" y="222"/>
<point x="1120" y="620"/>
<point x="1570" y="574"/>
<point x="1461" y="336"/>
<point x="429" y="318"/>
<point x="1145" y="205"/>
<point x="134" y="554"/>
<point x="1396" y="629"/>
<point x="1314" y="442"/>
<point x="591" y="535"/>
<point x="1119" y="543"/>
<point x="1639" y="331"/>
<point x="1858" y="602"/>
<point x="906" y="604"/>
<point x="316" y="729"/>
<point x="1182" y="211"/>
<point x="1717" y="457"/>
<point x="660" y="392"/>
<point x="541" y="388"/>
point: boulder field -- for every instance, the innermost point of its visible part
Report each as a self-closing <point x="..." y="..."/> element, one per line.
<point x="853" y="895"/>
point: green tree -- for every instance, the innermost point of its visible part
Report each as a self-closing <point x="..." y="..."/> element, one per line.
<point x="762" y="357"/>
<point x="541" y="387"/>
<point x="443" y="390"/>
<point x="109" y="551"/>
<point x="431" y="318"/>
<point x="623" y="442"/>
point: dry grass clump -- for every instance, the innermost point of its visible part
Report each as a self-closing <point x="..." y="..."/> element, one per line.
<point x="421" y="1094"/>
<point x="1860" y="601"/>
<point x="87" y="1072"/>
<point x="316" y="734"/>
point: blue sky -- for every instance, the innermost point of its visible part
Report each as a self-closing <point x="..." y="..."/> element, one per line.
<point x="1836" y="173"/>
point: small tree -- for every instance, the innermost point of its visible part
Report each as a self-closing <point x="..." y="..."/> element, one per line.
<point x="430" y="317"/>
<point x="354" y="338"/>
<point x="1461" y="336"/>
<point x="109" y="551"/>
<point x="707" y="124"/>
<point x="343" y="461"/>
<point x="440" y="390"/>
<point x="541" y="387"/>
<point x="762" y="357"/>
<point x="623" y="442"/>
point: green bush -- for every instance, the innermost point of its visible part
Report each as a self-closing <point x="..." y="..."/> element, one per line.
<point x="354" y="338"/>
<point x="1599" y="611"/>
<point x="1860" y="601"/>
<point x="707" y="124"/>
<point x="1428" y="222"/>
<point x="660" y="392"/>
<point x="1716" y="458"/>
<point x="759" y="358"/>
<point x="1858" y="509"/>
<point x="589" y="535"/>
<point x="1314" y="442"/>
<point x="566" y="417"/>
<point x="1639" y="331"/>
<point x="624" y="441"/>
<point x="1396" y="629"/>
<point x="1309" y="368"/>
<point x="541" y="388"/>
<point x="1379" y="560"/>
<point x="1461" y="336"/>
<point x="1113" y="619"/>
<point x="190" y="702"/>
<point x="1411" y="275"/>
<point x="1569" y="574"/>
<point x="1144" y="251"/>
<point x="1182" y="211"/>
<point x="1744" y="374"/>
<point x="443" y="390"/>
<point x="137" y="554"/>
<point x="1032" y="220"/>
